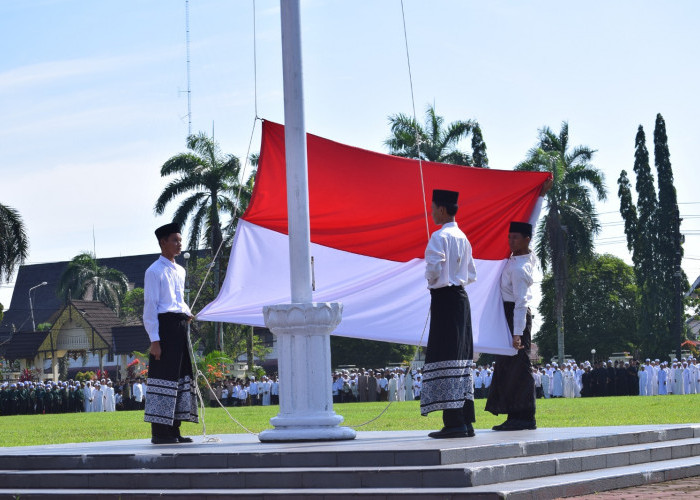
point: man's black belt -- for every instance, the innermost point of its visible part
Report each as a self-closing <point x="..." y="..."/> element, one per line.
<point x="173" y="315"/>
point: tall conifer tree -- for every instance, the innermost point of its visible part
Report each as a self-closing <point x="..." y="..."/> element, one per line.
<point x="669" y="223"/>
<point x="479" y="158"/>
<point x="648" y="239"/>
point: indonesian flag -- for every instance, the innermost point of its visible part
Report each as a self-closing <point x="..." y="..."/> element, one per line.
<point x="368" y="238"/>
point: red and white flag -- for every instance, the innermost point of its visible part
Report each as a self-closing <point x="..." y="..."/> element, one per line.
<point x="368" y="238"/>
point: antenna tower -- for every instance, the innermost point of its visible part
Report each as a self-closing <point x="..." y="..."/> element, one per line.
<point x="189" y="91"/>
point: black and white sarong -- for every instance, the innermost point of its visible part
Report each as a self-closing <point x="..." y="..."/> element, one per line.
<point x="447" y="378"/>
<point x="170" y="394"/>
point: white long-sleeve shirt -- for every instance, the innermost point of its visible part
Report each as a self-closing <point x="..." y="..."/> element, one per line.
<point x="448" y="258"/>
<point x="163" y="291"/>
<point x="516" y="280"/>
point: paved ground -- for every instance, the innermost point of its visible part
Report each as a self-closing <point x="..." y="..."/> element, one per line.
<point x="683" y="488"/>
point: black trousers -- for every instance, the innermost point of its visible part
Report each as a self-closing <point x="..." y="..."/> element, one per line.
<point x="165" y="431"/>
<point x="459" y="417"/>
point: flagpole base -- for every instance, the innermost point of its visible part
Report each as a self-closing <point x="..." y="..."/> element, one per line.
<point x="306" y="403"/>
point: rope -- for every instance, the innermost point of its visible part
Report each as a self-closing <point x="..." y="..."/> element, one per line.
<point x="198" y="374"/>
<point x="420" y="344"/>
<point x="202" y="406"/>
<point x="233" y="218"/>
<point x="415" y="121"/>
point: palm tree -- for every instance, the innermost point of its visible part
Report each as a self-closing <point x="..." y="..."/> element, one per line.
<point x="566" y="233"/>
<point x="84" y="277"/>
<point x="14" y="245"/>
<point x="211" y="180"/>
<point x="436" y="143"/>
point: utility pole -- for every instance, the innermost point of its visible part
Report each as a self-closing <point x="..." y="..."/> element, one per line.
<point x="678" y="300"/>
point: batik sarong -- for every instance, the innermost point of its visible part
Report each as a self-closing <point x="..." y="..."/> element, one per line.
<point x="170" y="393"/>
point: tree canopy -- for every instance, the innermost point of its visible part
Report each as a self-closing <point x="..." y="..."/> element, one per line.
<point x="84" y="278"/>
<point x="435" y="141"/>
<point x="600" y="310"/>
<point x="14" y="244"/>
<point x="211" y="181"/>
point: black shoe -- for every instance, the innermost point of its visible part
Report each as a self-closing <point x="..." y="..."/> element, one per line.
<point x="501" y="427"/>
<point x="450" y="432"/>
<point x="516" y="425"/>
<point x="163" y="440"/>
<point x="183" y="439"/>
<point x="470" y="431"/>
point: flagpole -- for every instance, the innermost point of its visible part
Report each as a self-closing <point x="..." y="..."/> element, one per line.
<point x="303" y="327"/>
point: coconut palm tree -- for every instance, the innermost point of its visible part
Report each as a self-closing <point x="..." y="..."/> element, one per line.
<point x="437" y="143"/>
<point x="84" y="277"/>
<point x="566" y="233"/>
<point x="210" y="179"/>
<point x="14" y="245"/>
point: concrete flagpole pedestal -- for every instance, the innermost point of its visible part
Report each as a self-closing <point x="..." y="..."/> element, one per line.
<point x="303" y="327"/>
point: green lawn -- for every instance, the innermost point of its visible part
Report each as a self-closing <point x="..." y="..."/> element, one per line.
<point x="83" y="427"/>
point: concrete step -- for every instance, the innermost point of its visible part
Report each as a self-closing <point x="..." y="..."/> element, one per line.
<point x="456" y="475"/>
<point x="564" y="485"/>
<point x="369" y="449"/>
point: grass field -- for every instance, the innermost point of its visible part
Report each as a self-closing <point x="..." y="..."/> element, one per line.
<point x="24" y="430"/>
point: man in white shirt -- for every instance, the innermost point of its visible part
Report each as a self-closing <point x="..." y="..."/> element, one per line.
<point x="137" y="392"/>
<point x="170" y="397"/>
<point x="417" y="382"/>
<point x="254" y="392"/>
<point x="447" y="378"/>
<point x="275" y="391"/>
<point x="265" y="389"/>
<point x="513" y="389"/>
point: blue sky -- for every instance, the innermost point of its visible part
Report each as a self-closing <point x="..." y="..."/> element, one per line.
<point x="93" y="101"/>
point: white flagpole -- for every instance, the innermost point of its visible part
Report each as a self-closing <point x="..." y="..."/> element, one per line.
<point x="302" y="327"/>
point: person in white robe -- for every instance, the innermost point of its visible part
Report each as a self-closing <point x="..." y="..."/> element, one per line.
<point x="110" y="403"/>
<point x="685" y="375"/>
<point x="87" y="396"/>
<point x="568" y="382"/>
<point x="98" y="398"/>
<point x="655" y="380"/>
<point x="677" y="378"/>
<point x="578" y="374"/>
<point x="649" y="390"/>
<point x="662" y="382"/>
<point x="546" y="384"/>
<point x="392" y="387"/>
<point x="693" y="376"/>
<point x="643" y="376"/>
<point x="265" y="389"/>
<point x="400" y="386"/>
<point x="408" y="384"/>
<point x="557" y="383"/>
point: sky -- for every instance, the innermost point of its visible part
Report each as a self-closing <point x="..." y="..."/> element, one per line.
<point x="94" y="95"/>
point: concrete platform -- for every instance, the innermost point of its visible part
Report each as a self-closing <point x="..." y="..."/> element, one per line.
<point x="545" y="463"/>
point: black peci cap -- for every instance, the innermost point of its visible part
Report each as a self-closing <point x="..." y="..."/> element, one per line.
<point x="443" y="198"/>
<point x="521" y="227"/>
<point x="167" y="230"/>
